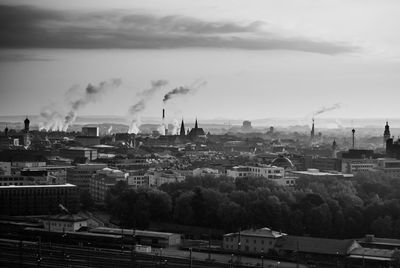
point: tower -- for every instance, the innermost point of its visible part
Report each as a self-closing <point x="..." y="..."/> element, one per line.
<point x="386" y="134"/>
<point x="195" y="124"/>
<point x="6" y="131"/>
<point x="312" y="130"/>
<point x="334" y="148"/>
<point x="26" y="123"/>
<point x="353" y="131"/>
<point x="182" y="132"/>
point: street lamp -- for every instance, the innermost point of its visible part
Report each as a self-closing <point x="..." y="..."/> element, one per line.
<point x="190" y="258"/>
<point x="262" y="258"/>
<point x="88" y="254"/>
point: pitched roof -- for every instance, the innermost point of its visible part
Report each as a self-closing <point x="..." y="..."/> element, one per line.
<point x="372" y="253"/>
<point x="263" y="232"/>
<point x="315" y="245"/>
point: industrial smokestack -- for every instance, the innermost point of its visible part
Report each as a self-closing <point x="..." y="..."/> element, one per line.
<point x="163" y="114"/>
<point x="353" y="131"/>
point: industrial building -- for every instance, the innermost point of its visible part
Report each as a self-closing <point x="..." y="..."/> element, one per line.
<point x="37" y="199"/>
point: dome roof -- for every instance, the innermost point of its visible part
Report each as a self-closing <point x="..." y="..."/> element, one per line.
<point x="282" y="161"/>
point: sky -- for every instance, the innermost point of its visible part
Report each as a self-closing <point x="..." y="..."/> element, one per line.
<point x="240" y="59"/>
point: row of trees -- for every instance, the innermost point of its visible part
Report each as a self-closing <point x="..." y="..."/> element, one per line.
<point x="325" y="208"/>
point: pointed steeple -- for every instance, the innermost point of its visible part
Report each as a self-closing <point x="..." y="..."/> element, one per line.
<point x="195" y="124"/>
<point x="26" y="123"/>
<point x="182" y="132"/>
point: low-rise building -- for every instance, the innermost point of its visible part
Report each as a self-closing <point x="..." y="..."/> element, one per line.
<point x="315" y="173"/>
<point x="201" y="172"/>
<point x="64" y="223"/>
<point x="5" y="168"/>
<point x="273" y="173"/>
<point x="252" y="240"/>
<point x="158" y="178"/>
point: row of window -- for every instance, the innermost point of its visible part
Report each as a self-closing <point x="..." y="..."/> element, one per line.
<point x="227" y="239"/>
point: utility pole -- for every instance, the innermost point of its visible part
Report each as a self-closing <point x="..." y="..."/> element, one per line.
<point x="39" y="254"/>
<point x="239" y="248"/>
<point x="190" y="258"/>
<point x="209" y="244"/>
<point x="133" y="251"/>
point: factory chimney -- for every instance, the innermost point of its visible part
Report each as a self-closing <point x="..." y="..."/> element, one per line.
<point x="353" y="131"/>
<point x="163" y="114"/>
<point x="312" y="130"/>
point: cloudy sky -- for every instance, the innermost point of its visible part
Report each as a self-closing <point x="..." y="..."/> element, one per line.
<point x="256" y="59"/>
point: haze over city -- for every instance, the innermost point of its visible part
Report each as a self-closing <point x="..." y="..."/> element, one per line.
<point x="259" y="60"/>
<point x="200" y="134"/>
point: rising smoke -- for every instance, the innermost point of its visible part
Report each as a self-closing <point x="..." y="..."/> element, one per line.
<point x="327" y="109"/>
<point x="184" y="90"/>
<point x="54" y="119"/>
<point x="145" y="96"/>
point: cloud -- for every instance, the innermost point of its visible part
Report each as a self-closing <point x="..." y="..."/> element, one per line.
<point x="18" y="57"/>
<point x="31" y="27"/>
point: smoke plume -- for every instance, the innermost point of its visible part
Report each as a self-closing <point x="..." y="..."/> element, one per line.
<point x="184" y="90"/>
<point x="175" y="127"/>
<point x="55" y="118"/>
<point x="134" y="126"/>
<point x="144" y="96"/>
<point x="92" y="93"/>
<point x="109" y="130"/>
<point x="327" y="109"/>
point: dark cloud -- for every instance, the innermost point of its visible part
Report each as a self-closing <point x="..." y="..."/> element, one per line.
<point x="29" y="27"/>
<point x="17" y="57"/>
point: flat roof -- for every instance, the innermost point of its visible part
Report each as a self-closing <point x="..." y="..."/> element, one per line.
<point x="38" y="186"/>
<point x="315" y="173"/>
<point x="131" y="232"/>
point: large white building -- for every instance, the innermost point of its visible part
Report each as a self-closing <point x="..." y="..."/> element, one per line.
<point x="273" y="173"/>
<point x="252" y="240"/>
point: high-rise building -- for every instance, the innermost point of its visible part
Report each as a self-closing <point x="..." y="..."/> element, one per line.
<point x="82" y="173"/>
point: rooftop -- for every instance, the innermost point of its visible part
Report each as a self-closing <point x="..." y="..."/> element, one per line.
<point x="263" y="232"/>
<point x="38" y="186"/>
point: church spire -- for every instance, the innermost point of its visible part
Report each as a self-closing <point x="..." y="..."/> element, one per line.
<point x="195" y="124"/>
<point x="182" y="133"/>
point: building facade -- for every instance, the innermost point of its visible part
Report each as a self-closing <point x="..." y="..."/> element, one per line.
<point x="37" y="199"/>
<point x="252" y="240"/>
<point x="82" y="173"/>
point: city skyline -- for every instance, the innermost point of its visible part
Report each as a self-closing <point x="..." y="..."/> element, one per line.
<point x="262" y="60"/>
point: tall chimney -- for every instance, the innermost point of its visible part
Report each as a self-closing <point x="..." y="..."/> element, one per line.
<point x="353" y="131"/>
<point x="163" y="114"/>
